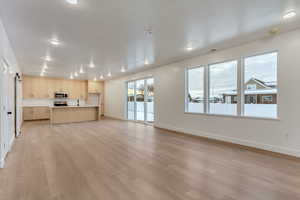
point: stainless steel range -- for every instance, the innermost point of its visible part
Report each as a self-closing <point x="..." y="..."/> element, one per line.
<point x="60" y="103"/>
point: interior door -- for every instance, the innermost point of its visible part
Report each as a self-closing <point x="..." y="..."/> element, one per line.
<point x="11" y="105"/>
<point x="5" y="116"/>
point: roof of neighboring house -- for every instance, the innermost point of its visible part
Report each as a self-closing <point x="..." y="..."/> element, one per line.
<point x="264" y="91"/>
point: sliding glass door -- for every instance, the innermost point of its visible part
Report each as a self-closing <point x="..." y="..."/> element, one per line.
<point x="150" y="99"/>
<point x="140" y="100"/>
<point x="130" y="100"/>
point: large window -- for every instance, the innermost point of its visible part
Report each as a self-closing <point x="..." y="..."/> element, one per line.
<point x="222" y="83"/>
<point x="195" y="93"/>
<point x="261" y="71"/>
<point x="246" y="88"/>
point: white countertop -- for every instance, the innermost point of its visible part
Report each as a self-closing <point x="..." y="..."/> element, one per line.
<point x="35" y="106"/>
<point x="84" y="106"/>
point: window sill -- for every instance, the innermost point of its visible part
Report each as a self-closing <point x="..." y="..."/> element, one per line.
<point x="234" y="116"/>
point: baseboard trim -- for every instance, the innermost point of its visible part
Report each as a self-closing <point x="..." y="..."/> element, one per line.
<point x="276" y="151"/>
<point x="114" y="117"/>
<point x="11" y="143"/>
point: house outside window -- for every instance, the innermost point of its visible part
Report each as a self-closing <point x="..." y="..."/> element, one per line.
<point x="267" y="99"/>
<point x="251" y="87"/>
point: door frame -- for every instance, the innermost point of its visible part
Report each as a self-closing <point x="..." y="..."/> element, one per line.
<point x="17" y="113"/>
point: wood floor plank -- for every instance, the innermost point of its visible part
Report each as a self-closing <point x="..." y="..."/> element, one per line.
<point x="119" y="160"/>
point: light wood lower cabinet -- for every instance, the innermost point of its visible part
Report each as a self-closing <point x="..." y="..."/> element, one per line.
<point x="72" y="114"/>
<point x="36" y="113"/>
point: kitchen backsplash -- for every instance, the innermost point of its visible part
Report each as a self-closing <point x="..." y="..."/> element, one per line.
<point x="49" y="102"/>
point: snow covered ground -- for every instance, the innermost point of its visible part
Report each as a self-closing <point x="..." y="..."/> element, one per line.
<point x="140" y="111"/>
<point x="253" y="110"/>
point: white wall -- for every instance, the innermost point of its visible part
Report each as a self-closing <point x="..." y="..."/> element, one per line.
<point x="7" y="53"/>
<point x="277" y="135"/>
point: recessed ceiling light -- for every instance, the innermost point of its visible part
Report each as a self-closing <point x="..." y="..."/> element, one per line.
<point x="75" y="74"/>
<point x="189" y="48"/>
<point x="73" y="2"/>
<point x="81" y="71"/>
<point x="71" y="76"/>
<point x="123" y="69"/>
<point x="55" y="42"/>
<point x="47" y="58"/>
<point x="91" y="65"/>
<point x="109" y="74"/>
<point x="45" y="66"/>
<point x="101" y="77"/>
<point x="289" y="15"/>
<point x="95" y="79"/>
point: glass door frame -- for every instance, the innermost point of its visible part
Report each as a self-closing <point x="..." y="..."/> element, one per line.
<point x="135" y="102"/>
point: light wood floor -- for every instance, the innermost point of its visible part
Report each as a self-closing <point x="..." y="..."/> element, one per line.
<point x="116" y="160"/>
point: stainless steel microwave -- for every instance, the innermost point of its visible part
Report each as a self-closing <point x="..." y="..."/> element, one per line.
<point x="60" y="95"/>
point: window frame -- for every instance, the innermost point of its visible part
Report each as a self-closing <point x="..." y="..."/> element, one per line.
<point x="240" y="88"/>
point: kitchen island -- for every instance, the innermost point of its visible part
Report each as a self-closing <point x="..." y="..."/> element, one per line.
<point x="70" y="114"/>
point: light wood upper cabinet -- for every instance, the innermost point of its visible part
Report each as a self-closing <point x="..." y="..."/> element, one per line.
<point x="77" y="90"/>
<point x="44" y="88"/>
<point x="83" y="90"/>
<point x="27" y="88"/>
<point x="35" y="88"/>
<point x="95" y="86"/>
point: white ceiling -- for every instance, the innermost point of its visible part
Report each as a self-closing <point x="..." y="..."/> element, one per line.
<point x="112" y="32"/>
